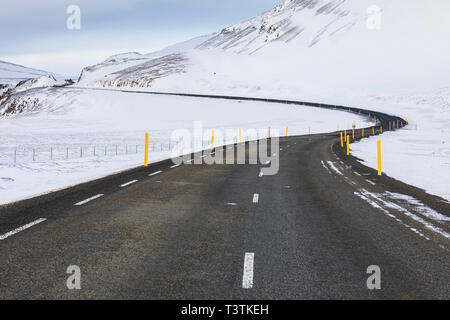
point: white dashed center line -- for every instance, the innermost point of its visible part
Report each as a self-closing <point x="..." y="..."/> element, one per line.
<point x="155" y="173"/>
<point x="247" y="278"/>
<point x="268" y="161"/>
<point x="174" y="166"/>
<point x="372" y="183"/>
<point x="256" y="198"/>
<point x="29" y="225"/>
<point x="260" y="174"/>
<point x="89" y="199"/>
<point x="128" y="183"/>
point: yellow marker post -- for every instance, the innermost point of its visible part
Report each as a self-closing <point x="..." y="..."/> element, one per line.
<point x="338" y="128"/>
<point x="212" y="139"/>
<point x="348" y="145"/>
<point x="373" y="131"/>
<point x="146" y="151"/>
<point x="389" y="126"/>
<point x="381" y="129"/>
<point x="309" y="130"/>
<point x="353" y="134"/>
<point x="269" y="132"/>
<point x="363" y="132"/>
<point x="287" y="131"/>
<point x="342" y="141"/>
<point x="240" y="135"/>
<point x="345" y="135"/>
<point x="379" y="156"/>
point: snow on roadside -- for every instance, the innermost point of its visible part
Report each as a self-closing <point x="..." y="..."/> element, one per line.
<point x="75" y="118"/>
<point x="418" y="154"/>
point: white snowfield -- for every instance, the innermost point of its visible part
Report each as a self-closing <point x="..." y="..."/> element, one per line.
<point x="329" y="51"/>
<point x="78" y="120"/>
<point x="418" y="154"/>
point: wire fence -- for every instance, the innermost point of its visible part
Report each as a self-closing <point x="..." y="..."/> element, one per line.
<point x="57" y="153"/>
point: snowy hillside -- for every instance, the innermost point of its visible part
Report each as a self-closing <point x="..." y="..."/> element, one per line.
<point x="135" y="69"/>
<point x="288" y="22"/>
<point x="14" y="73"/>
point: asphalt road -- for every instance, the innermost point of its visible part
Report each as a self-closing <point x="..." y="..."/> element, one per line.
<point x="199" y="232"/>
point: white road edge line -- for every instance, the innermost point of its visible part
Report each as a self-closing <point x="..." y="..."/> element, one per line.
<point x="247" y="277"/>
<point x="155" y="173"/>
<point x="256" y="198"/>
<point x="29" y="225"/>
<point x="128" y="183"/>
<point x="89" y="199"/>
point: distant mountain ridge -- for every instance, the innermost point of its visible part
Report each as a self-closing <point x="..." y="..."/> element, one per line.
<point x="117" y="70"/>
<point x="304" y="21"/>
<point x="14" y="73"/>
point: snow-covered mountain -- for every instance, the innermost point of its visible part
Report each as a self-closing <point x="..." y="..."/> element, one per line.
<point x="14" y="73"/>
<point x="304" y="22"/>
<point x="16" y="78"/>
<point x="134" y="69"/>
<point x="301" y="47"/>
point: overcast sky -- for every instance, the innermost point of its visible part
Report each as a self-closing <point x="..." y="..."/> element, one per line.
<point x="34" y="32"/>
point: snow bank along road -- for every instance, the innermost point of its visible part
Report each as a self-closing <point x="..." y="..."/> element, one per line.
<point x="228" y="232"/>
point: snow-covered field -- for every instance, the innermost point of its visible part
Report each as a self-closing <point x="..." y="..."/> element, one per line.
<point x="76" y="120"/>
<point x="418" y="154"/>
